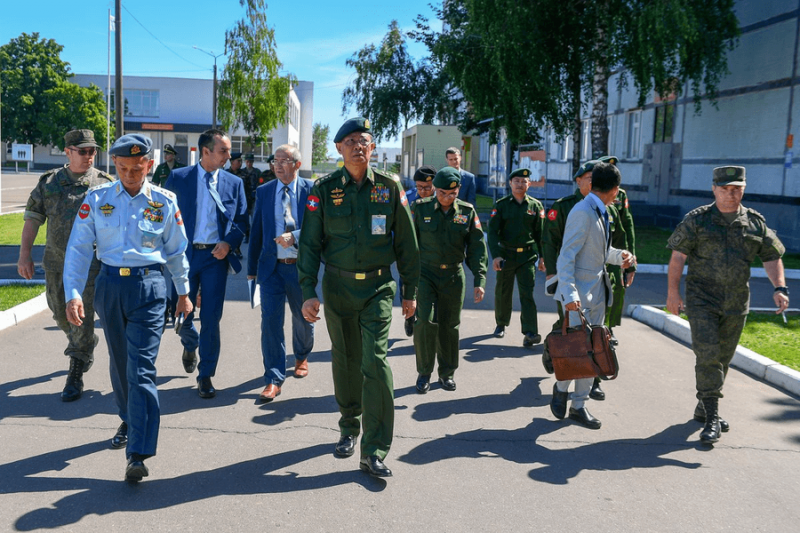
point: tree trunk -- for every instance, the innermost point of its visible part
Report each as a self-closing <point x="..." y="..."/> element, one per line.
<point x="600" y="100"/>
<point x="576" y="133"/>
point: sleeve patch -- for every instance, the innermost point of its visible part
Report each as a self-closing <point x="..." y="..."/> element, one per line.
<point x="313" y="203"/>
<point x="552" y="214"/>
<point x="494" y="212"/>
<point x="84" y="211"/>
<point x="179" y="218"/>
<point x="541" y="213"/>
<point x="477" y="222"/>
<point x="403" y="199"/>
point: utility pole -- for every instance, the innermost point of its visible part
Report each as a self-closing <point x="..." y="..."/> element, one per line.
<point x="119" y="98"/>
<point x="211" y="53"/>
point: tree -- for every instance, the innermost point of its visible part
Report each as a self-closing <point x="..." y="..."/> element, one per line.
<point x="38" y="103"/>
<point x="319" y="153"/>
<point x="251" y="93"/>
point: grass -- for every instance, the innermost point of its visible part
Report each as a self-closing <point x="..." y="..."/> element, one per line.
<point x="11" y="230"/>
<point x="12" y="295"/>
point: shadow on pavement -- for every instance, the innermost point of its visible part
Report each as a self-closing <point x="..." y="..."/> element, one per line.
<point x="527" y="394"/>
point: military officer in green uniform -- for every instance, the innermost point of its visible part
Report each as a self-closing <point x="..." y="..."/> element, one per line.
<point x="56" y="199"/>
<point x="249" y="175"/>
<point x="448" y="230"/>
<point x="515" y="241"/>
<point x="719" y="241"/>
<point x="357" y="220"/>
<point x="269" y="173"/>
<point x="170" y="162"/>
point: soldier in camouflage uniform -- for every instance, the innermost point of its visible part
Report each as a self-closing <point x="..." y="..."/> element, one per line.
<point x="170" y="162"/>
<point x="57" y="197"/>
<point x="719" y="242"/>
<point x="358" y="221"/>
<point x="448" y="230"/>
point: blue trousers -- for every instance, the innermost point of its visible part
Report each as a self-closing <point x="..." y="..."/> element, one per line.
<point x="131" y="310"/>
<point x="281" y="285"/>
<point x="210" y="274"/>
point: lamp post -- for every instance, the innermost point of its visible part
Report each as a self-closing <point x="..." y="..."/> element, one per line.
<point x="214" y="113"/>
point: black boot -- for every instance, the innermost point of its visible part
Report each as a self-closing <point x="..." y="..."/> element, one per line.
<point x="597" y="393"/>
<point x="74" y="386"/>
<point x="712" y="430"/>
<point x="700" y="416"/>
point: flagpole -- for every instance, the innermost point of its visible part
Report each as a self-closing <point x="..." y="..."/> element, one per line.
<point x="108" y="97"/>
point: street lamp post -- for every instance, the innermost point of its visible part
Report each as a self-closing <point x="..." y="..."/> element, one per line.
<point x="211" y="53"/>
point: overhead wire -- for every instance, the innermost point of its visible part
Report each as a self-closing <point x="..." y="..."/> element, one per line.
<point x="159" y="40"/>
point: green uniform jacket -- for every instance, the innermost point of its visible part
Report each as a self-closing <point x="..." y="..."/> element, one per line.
<point x="554" y="229"/>
<point x="514" y="225"/>
<point x="162" y="173"/>
<point x="444" y="238"/>
<point x="58" y="196"/>
<point x="620" y="238"/>
<point x="626" y="218"/>
<point x="719" y="256"/>
<point x="358" y="230"/>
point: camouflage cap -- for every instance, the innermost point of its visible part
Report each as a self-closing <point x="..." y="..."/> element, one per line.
<point x="131" y="145"/>
<point x="168" y="149"/>
<point x="447" y="178"/>
<point x="80" y="139"/>
<point x="520" y="173"/>
<point x="610" y="159"/>
<point x="358" y="124"/>
<point x="249" y="157"/>
<point x="729" y="176"/>
<point x="584" y="168"/>
<point x="425" y="173"/>
<point x="236" y="155"/>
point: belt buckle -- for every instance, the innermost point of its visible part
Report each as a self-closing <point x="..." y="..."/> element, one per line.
<point x="443" y="267"/>
<point x="361" y="275"/>
<point x="520" y="250"/>
<point x="124" y="271"/>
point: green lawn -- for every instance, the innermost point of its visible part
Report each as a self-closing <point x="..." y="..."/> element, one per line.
<point x="11" y="295"/>
<point x="765" y="333"/>
<point x="11" y="230"/>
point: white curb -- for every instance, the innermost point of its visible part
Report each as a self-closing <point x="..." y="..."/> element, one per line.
<point x="17" y="314"/>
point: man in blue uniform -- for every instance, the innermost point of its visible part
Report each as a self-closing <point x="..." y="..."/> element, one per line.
<point x="138" y="229"/>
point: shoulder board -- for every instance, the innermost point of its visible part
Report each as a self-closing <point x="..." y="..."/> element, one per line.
<point x="329" y="177"/>
<point x="388" y="175"/>
<point x="105" y="175"/>
<point x="504" y="199"/>
<point x="464" y="203"/>
<point x="101" y="186"/>
<point x="699" y="210"/>
<point x="164" y="192"/>
<point x="49" y="173"/>
<point x="755" y="214"/>
<point x="427" y="200"/>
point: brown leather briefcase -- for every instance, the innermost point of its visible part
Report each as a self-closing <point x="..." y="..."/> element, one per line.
<point x="583" y="351"/>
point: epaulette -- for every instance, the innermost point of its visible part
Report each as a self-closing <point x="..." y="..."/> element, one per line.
<point x="387" y="175"/>
<point x="755" y="214"/>
<point x="564" y="199"/>
<point x="699" y="210"/>
<point x="329" y="177"/>
<point x="169" y="194"/>
<point x="505" y="199"/>
<point x="105" y="174"/>
<point x="427" y="200"/>
<point x="49" y="173"/>
<point x="101" y="186"/>
<point x="464" y="203"/>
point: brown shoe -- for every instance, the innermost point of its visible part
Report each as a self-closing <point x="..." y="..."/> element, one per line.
<point x="269" y="393"/>
<point x="301" y="368"/>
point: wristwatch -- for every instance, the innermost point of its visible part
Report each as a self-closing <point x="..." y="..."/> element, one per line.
<point x="784" y="290"/>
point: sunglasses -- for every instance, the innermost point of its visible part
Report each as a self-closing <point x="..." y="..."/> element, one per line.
<point x="85" y="151"/>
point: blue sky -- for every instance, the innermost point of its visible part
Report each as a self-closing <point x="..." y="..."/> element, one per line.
<point x="314" y="38"/>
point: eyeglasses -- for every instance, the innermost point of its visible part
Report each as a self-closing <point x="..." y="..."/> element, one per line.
<point x="283" y="161"/>
<point x="362" y="142"/>
<point x="442" y="194"/>
<point x="85" y="151"/>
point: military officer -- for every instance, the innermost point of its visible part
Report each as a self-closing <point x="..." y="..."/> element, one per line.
<point x="448" y="230"/>
<point x="515" y="241"/>
<point x="57" y="197"/>
<point x="719" y="241"/>
<point x="136" y="229"/>
<point x="170" y="162"/>
<point x="357" y="218"/>
<point x="236" y="165"/>
<point x="269" y="173"/>
<point x="249" y="175"/>
<point x="423" y="188"/>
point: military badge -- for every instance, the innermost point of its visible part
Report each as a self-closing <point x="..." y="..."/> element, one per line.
<point x="552" y="214"/>
<point x="460" y="219"/>
<point x="153" y="215"/>
<point x="541" y="213"/>
<point x="313" y="203"/>
<point x="179" y="218"/>
<point x="155" y="204"/>
<point x="426" y="220"/>
<point x="337" y="201"/>
<point x="494" y="212"/>
<point x="477" y="222"/>
<point x="626" y="202"/>
<point x="366" y="123"/>
<point x="135" y="150"/>
<point x="84" y="211"/>
<point x="530" y="211"/>
<point x="380" y="194"/>
<point x="403" y="199"/>
<point x="107" y="209"/>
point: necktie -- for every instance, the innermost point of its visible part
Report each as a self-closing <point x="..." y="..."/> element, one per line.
<point x="288" y="221"/>
<point x="607" y="228"/>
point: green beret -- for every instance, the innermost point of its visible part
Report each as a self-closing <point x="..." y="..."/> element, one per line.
<point x="250" y="157"/>
<point x="236" y="155"/>
<point x="80" y="139"/>
<point x="425" y="173"/>
<point x="271" y="158"/>
<point x="353" y="125"/>
<point x="584" y="168"/>
<point x="168" y="149"/>
<point x="729" y="176"/>
<point x="131" y="145"/>
<point x="520" y="173"/>
<point x="447" y="178"/>
<point x="610" y="159"/>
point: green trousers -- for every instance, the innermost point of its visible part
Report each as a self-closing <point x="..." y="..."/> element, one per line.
<point x="81" y="340"/>
<point x="358" y="315"/>
<point x="525" y="274"/>
<point x="714" y="340"/>
<point x="614" y="313"/>
<point x="439" y="302"/>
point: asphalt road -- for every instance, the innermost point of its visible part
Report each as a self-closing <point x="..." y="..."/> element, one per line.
<point x="15" y="189"/>
<point x="487" y="457"/>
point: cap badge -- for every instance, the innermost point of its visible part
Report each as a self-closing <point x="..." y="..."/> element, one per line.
<point x="135" y="149"/>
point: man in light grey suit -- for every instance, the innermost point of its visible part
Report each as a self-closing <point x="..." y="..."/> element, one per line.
<point x="582" y="278"/>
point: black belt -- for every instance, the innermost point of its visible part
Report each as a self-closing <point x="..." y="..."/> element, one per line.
<point x="443" y="266"/>
<point x="356" y="275"/>
<point x="131" y="271"/>
<point x="288" y="260"/>
<point x="198" y="246"/>
<point x="518" y="249"/>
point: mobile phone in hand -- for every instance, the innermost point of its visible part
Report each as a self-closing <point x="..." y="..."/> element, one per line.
<point x="179" y="322"/>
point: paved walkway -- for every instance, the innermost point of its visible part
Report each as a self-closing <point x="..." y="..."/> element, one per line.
<point x="489" y="456"/>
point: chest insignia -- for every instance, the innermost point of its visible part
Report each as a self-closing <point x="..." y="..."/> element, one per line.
<point x="338" y="201"/>
<point x="155" y="204"/>
<point x="153" y="215"/>
<point x="107" y="209"/>
<point x="460" y="219"/>
<point x="426" y="220"/>
<point x="380" y="194"/>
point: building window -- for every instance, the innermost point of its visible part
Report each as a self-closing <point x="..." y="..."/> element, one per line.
<point x="139" y="103"/>
<point x="261" y="152"/>
<point x="586" y="139"/>
<point x="565" y="148"/>
<point x="664" y="124"/>
<point x="634" y="134"/>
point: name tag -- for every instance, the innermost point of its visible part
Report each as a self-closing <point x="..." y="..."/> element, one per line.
<point x="379" y="224"/>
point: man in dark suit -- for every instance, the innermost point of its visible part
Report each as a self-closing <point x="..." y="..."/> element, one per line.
<point x="272" y="260"/>
<point x="214" y="208"/>
<point x="467" y="190"/>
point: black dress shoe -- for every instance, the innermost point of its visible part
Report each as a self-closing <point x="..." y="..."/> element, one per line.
<point x="558" y="404"/>
<point x="596" y="392"/>
<point x="423" y="383"/>
<point x="346" y="446"/>
<point x="205" y="389"/>
<point x="583" y="417"/>
<point x="374" y="466"/>
<point x="499" y="332"/>
<point x="120" y="438"/>
<point x="189" y="360"/>
<point x="409" y="326"/>
<point x="136" y="469"/>
<point x="447" y="384"/>
<point x="700" y="416"/>
<point x="531" y="339"/>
